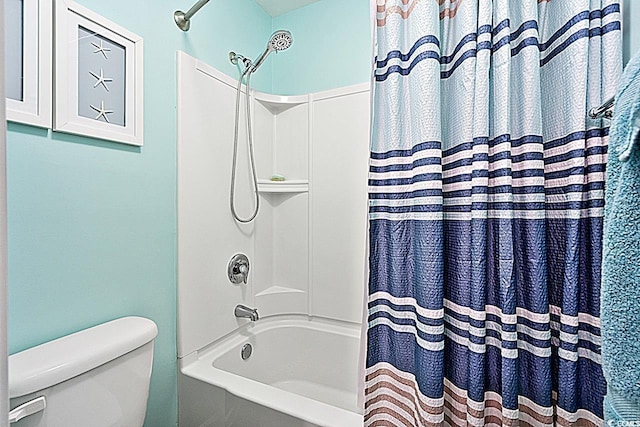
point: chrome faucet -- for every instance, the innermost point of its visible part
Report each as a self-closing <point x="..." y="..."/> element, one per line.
<point x="242" y="311"/>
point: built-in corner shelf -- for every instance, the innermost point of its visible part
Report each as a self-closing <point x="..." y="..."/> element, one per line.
<point x="272" y="290"/>
<point x="292" y="186"/>
<point x="276" y="104"/>
<point x="282" y="300"/>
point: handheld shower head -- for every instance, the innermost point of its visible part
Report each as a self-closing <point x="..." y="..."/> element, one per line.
<point x="279" y="41"/>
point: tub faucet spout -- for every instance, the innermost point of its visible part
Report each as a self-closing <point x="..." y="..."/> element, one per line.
<point x="242" y="311"/>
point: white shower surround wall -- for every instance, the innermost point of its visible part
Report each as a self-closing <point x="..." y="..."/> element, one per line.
<point x="307" y="246"/>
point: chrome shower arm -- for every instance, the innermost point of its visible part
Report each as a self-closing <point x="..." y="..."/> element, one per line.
<point x="183" y="19"/>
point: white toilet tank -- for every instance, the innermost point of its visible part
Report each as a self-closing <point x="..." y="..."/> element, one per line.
<point x="98" y="377"/>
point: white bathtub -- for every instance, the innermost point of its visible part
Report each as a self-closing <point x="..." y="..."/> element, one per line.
<point x="303" y="372"/>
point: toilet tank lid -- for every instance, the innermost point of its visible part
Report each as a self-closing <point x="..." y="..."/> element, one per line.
<point x="64" y="358"/>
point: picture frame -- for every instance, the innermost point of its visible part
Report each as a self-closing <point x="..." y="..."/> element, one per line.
<point x="29" y="62"/>
<point x="98" y="76"/>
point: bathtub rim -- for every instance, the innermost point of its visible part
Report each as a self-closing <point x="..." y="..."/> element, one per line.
<point x="199" y="365"/>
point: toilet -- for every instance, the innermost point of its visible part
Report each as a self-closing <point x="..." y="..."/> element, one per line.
<point x="98" y="377"/>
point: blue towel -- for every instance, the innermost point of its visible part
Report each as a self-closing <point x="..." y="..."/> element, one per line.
<point x="618" y="408"/>
<point x="620" y="303"/>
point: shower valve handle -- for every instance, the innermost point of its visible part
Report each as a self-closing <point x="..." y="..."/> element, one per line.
<point x="243" y="270"/>
<point x="238" y="269"/>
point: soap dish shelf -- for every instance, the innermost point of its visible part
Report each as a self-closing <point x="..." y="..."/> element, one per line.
<point x="292" y="186"/>
<point x="276" y="289"/>
<point x="277" y="104"/>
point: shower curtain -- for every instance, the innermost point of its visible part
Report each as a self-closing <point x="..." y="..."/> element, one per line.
<point x="486" y="202"/>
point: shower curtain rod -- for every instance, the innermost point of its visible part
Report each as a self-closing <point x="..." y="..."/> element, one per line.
<point x="183" y="19"/>
<point x="605" y="110"/>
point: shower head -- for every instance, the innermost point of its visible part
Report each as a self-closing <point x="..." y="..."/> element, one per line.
<point x="279" y="41"/>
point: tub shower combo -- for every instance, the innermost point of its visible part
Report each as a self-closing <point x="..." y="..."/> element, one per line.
<point x="269" y="304"/>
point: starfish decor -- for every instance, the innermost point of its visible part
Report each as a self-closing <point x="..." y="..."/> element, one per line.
<point x="101" y="79"/>
<point x="101" y="112"/>
<point x="101" y="49"/>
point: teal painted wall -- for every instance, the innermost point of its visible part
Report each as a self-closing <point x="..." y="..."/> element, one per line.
<point x="331" y="48"/>
<point x="92" y="224"/>
<point x="631" y="28"/>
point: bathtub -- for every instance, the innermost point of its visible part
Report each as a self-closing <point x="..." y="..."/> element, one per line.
<point x="302" y="372"/>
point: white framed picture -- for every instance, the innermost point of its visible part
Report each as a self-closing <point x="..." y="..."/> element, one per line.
<point x="98" y="76"/>
<point x="28" y="61"/>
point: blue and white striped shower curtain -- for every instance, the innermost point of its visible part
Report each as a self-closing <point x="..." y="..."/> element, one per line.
<point x="486" y="204"/>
